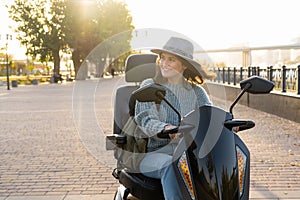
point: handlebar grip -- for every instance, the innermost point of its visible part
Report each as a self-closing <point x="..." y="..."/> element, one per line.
<point x="165" y="133"/>
<point x="242" y="124"/>
<point x="179" y="129"/>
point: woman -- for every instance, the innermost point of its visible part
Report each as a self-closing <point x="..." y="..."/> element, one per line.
<point x="182" y="76"/>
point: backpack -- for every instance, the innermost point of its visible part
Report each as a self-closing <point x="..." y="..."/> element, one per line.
<point x="130" y="154"/>
<point x="134" y="148"/>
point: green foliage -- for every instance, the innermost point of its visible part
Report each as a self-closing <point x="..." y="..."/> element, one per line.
<point x="30" y="67"/>
<point x="89" y="23"/>
<point x="47" y="27"/>
<point x="39" y="25"/>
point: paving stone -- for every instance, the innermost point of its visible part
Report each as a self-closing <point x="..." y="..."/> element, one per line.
<point x="275" y="194"/>
<point x="52" y="144"/>
<point x="89" y="197"/>
<point x="35" y="198"/>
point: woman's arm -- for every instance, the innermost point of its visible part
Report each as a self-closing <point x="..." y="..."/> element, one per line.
<point x="202" y="96"/>
<point x="147" y="116"/>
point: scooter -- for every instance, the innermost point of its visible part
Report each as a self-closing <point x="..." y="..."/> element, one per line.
<point x="210" y="161"/>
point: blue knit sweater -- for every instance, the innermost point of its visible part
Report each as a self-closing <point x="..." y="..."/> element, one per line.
<point x="152" y="119"/>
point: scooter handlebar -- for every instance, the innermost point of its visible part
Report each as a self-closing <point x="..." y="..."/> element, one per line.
<point x="241" y="124"/>
<point x="180" y="129"/>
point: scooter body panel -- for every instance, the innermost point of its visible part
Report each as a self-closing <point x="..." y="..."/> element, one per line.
<point x="211" y="156"/>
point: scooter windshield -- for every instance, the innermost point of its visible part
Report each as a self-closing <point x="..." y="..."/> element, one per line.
<point x="209" y="151"/>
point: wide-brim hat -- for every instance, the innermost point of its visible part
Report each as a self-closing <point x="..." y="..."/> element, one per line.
<point x="182" y="48"/>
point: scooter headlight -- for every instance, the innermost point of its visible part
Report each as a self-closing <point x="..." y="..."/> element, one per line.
<point x="242" y="159"/>
<point x="185" y="174"/>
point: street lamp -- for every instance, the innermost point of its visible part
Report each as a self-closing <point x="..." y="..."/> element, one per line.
<point x="8" y="37"/>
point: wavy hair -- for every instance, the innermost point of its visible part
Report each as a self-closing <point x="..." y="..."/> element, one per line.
<point x="188" y="74"/>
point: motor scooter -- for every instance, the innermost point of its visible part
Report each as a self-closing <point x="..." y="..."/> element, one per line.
<point x="210" y="162"/>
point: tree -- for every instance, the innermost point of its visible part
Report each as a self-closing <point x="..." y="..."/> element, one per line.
<point x="90" y="23"/>
<point x="39" y="28"/>
<point x="48" y="27"/>
<point x="117" y="20"/>
<point x="80" y="18"/>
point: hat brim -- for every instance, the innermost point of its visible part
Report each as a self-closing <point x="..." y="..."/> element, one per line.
<point x="195" y="67"/>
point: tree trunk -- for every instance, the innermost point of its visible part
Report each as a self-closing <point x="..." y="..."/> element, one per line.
<point x="56" y="61"/>
<point x="76" y="62"/>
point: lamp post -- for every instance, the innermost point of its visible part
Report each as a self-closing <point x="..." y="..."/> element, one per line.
<point x="8" y="36"/>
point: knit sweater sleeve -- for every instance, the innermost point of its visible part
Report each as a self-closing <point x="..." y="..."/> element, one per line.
<point x="203" y="98"/>
<point x="147" y="116"/>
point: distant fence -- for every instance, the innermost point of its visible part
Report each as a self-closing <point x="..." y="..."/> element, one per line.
<point x="285" y="78"/>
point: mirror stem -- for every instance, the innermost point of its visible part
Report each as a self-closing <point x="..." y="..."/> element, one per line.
<point x="247" y="86"/>
<point x="160" y="95"/>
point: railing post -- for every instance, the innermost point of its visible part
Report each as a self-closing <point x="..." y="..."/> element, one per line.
<point x="219" y="75"/>
<point x="283" y="78"/>
<point x="258" y="73"/>
<point x="234" y="76"/>
<point x="214" y="79"/>
<point x="241" y="74"/>
<point x="249" y="72"/>
<point x="298" y="78"/>
<point x="271" y="74"/>
<point x="223" y="75"/>
<point x="253" y="71"/>
<point x="228" y="75"/>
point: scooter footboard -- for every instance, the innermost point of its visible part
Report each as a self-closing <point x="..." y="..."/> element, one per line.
<point x="141" y="186"/>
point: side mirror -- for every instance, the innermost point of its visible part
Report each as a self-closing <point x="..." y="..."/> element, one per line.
<point x="156" y="93"/>
<point x="253" y="85"/>
<point x="257" y="85"/>
<point x="151" y="92"/>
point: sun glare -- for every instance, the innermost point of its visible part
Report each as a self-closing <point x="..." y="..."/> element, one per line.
<point x="220" y="24"/>
<point x="214" y="24"/>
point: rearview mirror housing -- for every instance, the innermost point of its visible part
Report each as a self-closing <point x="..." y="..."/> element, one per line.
<point x="151" y="92"/>
<point x="154" y="93"/>
<point x="253" y="85"/>
<point x="257" y="85"/>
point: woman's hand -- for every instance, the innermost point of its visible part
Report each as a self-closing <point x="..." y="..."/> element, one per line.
<point x="235" y="129"/>
<point x="173" y="135"/>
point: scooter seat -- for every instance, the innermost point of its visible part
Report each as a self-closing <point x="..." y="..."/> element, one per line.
<point x="141" y="186"/>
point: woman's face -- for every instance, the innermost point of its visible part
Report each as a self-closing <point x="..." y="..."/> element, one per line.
<point x="170" y="66"/>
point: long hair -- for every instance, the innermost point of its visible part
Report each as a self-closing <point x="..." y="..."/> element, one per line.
<point x="188" y="74"/>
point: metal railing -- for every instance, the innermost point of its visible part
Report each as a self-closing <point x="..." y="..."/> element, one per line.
<point x="285" y="78"/>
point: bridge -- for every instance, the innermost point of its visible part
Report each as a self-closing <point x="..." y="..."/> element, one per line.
<point x="285" y="77"/>
<point x="246" y="51"/>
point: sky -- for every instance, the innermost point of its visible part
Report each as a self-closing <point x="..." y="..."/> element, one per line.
<point x="212" y="24"/>
<point x="13" y="44"/>
<point x="219" y="24"/>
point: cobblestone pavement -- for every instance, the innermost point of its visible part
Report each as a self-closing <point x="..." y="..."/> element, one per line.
<point x="52" y="144"/>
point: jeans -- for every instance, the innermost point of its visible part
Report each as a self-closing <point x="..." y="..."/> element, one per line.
<point x="158" y="165"/>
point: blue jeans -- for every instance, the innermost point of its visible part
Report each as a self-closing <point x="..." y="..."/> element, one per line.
<point x="158" y="165"/>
